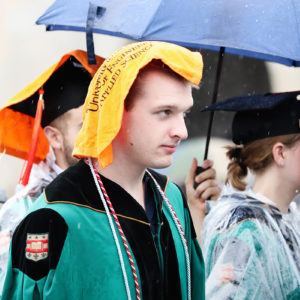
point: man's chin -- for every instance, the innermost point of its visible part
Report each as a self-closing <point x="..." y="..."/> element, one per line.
<point x="162" y="165"/>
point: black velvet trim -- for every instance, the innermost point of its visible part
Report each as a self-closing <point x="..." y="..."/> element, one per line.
<point x="162" y="180"/>
<point x="143" y="247"/>
<point x="151" y="207"/>
<point x="172" y="285"/>
<point x="76" y="185"/>
<point x="39" y="222"/>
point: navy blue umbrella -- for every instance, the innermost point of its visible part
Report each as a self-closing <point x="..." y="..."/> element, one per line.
<point x="264" y="29"/>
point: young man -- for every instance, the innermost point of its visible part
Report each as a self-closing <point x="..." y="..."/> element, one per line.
<point x="65" y="86"/>
<point x="109" y="227"/>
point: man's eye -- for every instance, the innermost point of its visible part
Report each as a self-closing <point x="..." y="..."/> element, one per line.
<point x="165" y="112"/>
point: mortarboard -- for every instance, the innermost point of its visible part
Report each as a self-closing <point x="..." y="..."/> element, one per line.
<point x="65" y="89"/>
<point x="262" y="115"/>
<point x="64" y="86"/>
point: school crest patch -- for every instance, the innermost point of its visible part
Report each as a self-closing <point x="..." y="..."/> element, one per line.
<point x="37" y="246"/>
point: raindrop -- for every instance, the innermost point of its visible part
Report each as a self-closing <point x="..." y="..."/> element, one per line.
<point x="78" y="225"/>
<point x="256" y="20"/>
<point x="58" y="107"/>
<point x="268" y="132"/>
<point x="297" y="191"/>
<point x="246" y="5"/>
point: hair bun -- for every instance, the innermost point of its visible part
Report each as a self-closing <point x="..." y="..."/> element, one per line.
<point x="235" y="152"/>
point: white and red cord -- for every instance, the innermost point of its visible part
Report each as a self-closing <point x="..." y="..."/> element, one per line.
<point x="99" y="185"/>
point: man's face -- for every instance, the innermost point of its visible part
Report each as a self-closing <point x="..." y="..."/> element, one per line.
<point x="154" y="126"/>
<point x="72" y="125"/>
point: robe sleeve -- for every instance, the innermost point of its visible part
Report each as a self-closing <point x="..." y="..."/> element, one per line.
<point x="11" y="214"/>
<point x="35" y="251"/>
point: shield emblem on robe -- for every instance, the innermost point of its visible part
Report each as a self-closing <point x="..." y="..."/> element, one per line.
<point x="36" y="246"/>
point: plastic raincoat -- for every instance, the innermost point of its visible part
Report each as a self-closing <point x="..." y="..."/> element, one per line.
<point x="251" y="249"/>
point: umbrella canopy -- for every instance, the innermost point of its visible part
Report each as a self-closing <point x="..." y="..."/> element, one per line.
<point x="264" y="29"/>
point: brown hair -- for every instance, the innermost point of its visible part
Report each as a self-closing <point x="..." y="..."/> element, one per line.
<point x="256" y="156"/>
<point x="136" y="87"/>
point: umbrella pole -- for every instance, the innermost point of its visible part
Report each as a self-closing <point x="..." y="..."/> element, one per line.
<point x="93" y="12"/>
<point x="214" y="98"/>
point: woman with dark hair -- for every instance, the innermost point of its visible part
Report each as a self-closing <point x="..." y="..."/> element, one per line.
<point x="251" y="237"/>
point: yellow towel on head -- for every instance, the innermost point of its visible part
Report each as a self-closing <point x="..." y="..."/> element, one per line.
<point x="104" y="104"/>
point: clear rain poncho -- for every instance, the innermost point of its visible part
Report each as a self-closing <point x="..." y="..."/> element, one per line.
<point x="251" y="250"/>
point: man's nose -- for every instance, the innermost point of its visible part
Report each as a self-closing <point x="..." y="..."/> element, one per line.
<point x="179" y="128"/>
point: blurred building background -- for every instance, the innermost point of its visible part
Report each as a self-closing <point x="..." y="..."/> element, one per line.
<point x="27" y="50"/>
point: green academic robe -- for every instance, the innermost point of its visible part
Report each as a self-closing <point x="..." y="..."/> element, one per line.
<point x="64" y="248"/>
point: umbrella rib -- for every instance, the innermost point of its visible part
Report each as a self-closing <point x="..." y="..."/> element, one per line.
<point x="150" y="22"/>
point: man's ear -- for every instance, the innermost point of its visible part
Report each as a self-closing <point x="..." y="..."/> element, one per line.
<point x="54" y="137"/>
<point x="279" y="154"/>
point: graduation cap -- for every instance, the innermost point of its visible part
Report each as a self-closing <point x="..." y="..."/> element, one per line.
<point x="59" y="89"/>
<point x="262" y="115"/>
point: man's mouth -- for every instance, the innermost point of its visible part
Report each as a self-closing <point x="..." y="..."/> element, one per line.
<point x="169" y="148"/>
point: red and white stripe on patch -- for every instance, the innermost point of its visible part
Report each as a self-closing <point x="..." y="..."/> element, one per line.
<point x="37" y="246"/>
<point x="226" y="273"/>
